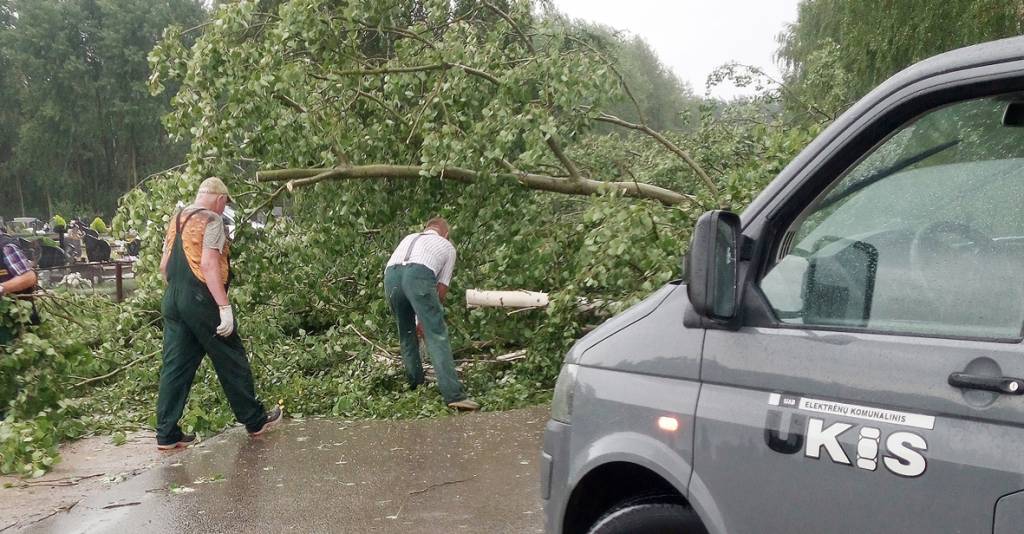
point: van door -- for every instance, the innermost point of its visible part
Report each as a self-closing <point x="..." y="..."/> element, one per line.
<point x="885" y="395"/>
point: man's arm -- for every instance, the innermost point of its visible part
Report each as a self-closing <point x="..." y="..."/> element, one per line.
<point x="209" y="264"/>
<point x="168" y="243"/>
<point x="19" y="266"/>
<point x="445" y="276"/>
<point x="21" y="282"/>
<point x="163" y="263"/>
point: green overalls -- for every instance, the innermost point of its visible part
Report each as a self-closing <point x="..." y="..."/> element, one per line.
<point x="411" y="291"/>
<point x="191" y="318"/>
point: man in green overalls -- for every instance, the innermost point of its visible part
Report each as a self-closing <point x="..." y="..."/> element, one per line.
<point x="198" y="319"/>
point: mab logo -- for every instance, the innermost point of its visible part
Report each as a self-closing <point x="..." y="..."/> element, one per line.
<point x="903" y="450"/>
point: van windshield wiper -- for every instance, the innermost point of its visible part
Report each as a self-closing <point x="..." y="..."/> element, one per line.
<point x="888" y="171"/>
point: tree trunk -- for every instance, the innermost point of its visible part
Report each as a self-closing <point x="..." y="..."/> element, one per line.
<point x="134" y="161"/>
<point x="505" y="299"/>
<point x="21" y="196"/>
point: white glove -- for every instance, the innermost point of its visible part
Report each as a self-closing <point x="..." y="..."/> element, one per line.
<point x="227" y="321"/>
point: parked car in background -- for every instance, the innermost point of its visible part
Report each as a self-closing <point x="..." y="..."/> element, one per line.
<point x="845" y="356"/>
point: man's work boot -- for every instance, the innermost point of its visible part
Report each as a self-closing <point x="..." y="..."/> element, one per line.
<point x="184" y="441"/>
<point x="273" y="418"/>
<point x="465" y="405"/>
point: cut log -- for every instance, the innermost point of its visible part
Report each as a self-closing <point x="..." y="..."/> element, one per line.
<point x="512" y="356"/>
<point x="476" y="298"/>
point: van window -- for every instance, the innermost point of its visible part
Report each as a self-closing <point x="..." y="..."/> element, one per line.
<point x="924" y="235"/>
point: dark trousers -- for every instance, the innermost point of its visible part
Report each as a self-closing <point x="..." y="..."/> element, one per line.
<point x="191" y="318"/>
<point x="411" y="291"/>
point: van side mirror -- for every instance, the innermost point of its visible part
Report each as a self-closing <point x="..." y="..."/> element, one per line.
<point x="712" y="266"/>
<point x="1013" y="115"/>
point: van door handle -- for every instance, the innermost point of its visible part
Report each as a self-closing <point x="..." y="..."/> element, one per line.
<point x="999" y="384"/>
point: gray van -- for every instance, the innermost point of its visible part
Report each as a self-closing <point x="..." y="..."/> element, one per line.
<point x="845" y="356"/>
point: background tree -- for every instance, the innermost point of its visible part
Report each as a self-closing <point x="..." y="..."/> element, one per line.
<point x="838" y="50"/>
<point x="9" y="116"/>
<point x="656" y="96"/>
<point x="78" y="126"/>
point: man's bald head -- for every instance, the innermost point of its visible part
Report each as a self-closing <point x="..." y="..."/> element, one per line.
<point x="439" y="225"/>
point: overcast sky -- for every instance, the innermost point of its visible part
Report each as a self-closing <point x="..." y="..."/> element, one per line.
<point x="693" y="37"/>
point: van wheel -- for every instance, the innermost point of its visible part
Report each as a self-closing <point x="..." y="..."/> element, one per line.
<point x="649" y="518"/>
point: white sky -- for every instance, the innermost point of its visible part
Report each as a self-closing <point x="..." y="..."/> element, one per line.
<point x="692" y="37"/>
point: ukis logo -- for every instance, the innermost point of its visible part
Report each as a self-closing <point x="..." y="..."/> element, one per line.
<point x="901" y="452"/>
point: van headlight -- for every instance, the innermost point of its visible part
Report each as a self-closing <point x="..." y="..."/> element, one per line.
<point x="561" y="405"/>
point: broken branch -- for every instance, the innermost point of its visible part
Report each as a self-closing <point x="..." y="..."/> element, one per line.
<point x="585" y="186"/>
<point x="383" y="351"/>
<point x="556" y="149"/>
<point x="115" y="371"/>
<point x="56" y="482"/>
<point x="421" y="68"/>
<point x="289" y="102"/>
<point x="519" y="31"/>
<point x="612" y="119"/>
<point x="438" y="485"/>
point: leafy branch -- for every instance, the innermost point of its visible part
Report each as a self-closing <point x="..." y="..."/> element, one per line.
<point x="672" y="147"/>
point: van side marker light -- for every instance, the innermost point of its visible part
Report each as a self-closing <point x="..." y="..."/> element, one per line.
<point x="669" y="424"/>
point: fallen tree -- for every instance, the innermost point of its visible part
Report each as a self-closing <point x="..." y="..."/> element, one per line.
<point x="396" y="96"/>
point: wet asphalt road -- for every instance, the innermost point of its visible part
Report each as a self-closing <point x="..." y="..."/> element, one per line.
<point x="473" y="473"/>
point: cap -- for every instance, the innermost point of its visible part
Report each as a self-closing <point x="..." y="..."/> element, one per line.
<point x="214" y="186"/>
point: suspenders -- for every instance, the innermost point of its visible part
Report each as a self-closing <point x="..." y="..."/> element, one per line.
<point x="178" y="224"/>
<point x="408" y="251"/>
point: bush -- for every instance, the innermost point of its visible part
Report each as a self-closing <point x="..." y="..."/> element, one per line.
<point x="98" y="225"/>
<point x="34" y="371"/>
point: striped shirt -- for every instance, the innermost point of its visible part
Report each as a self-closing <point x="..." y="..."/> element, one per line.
<point x="14" y="263"/>
<point x="429" y="250"/>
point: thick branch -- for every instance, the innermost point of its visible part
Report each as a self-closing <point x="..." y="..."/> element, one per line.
<point x="382" y="104"/>
<point x="289" y="102"/>
<point x="398" y="31"/>
<point x="604" y="117"/>
<point x="522" y="36"/>
<point x="556" y="148"/>
<point x="584" y="186"/>
<point x="420" y="68"/>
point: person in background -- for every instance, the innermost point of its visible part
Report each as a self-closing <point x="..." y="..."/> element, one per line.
<point x="199" y="320"/>
<point x="133" y="246"/>
<point x="73" y="240"/>
<point x="416" y="281"/>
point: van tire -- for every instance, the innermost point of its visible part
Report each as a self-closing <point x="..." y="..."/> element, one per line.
<point x="649" y="518"/>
